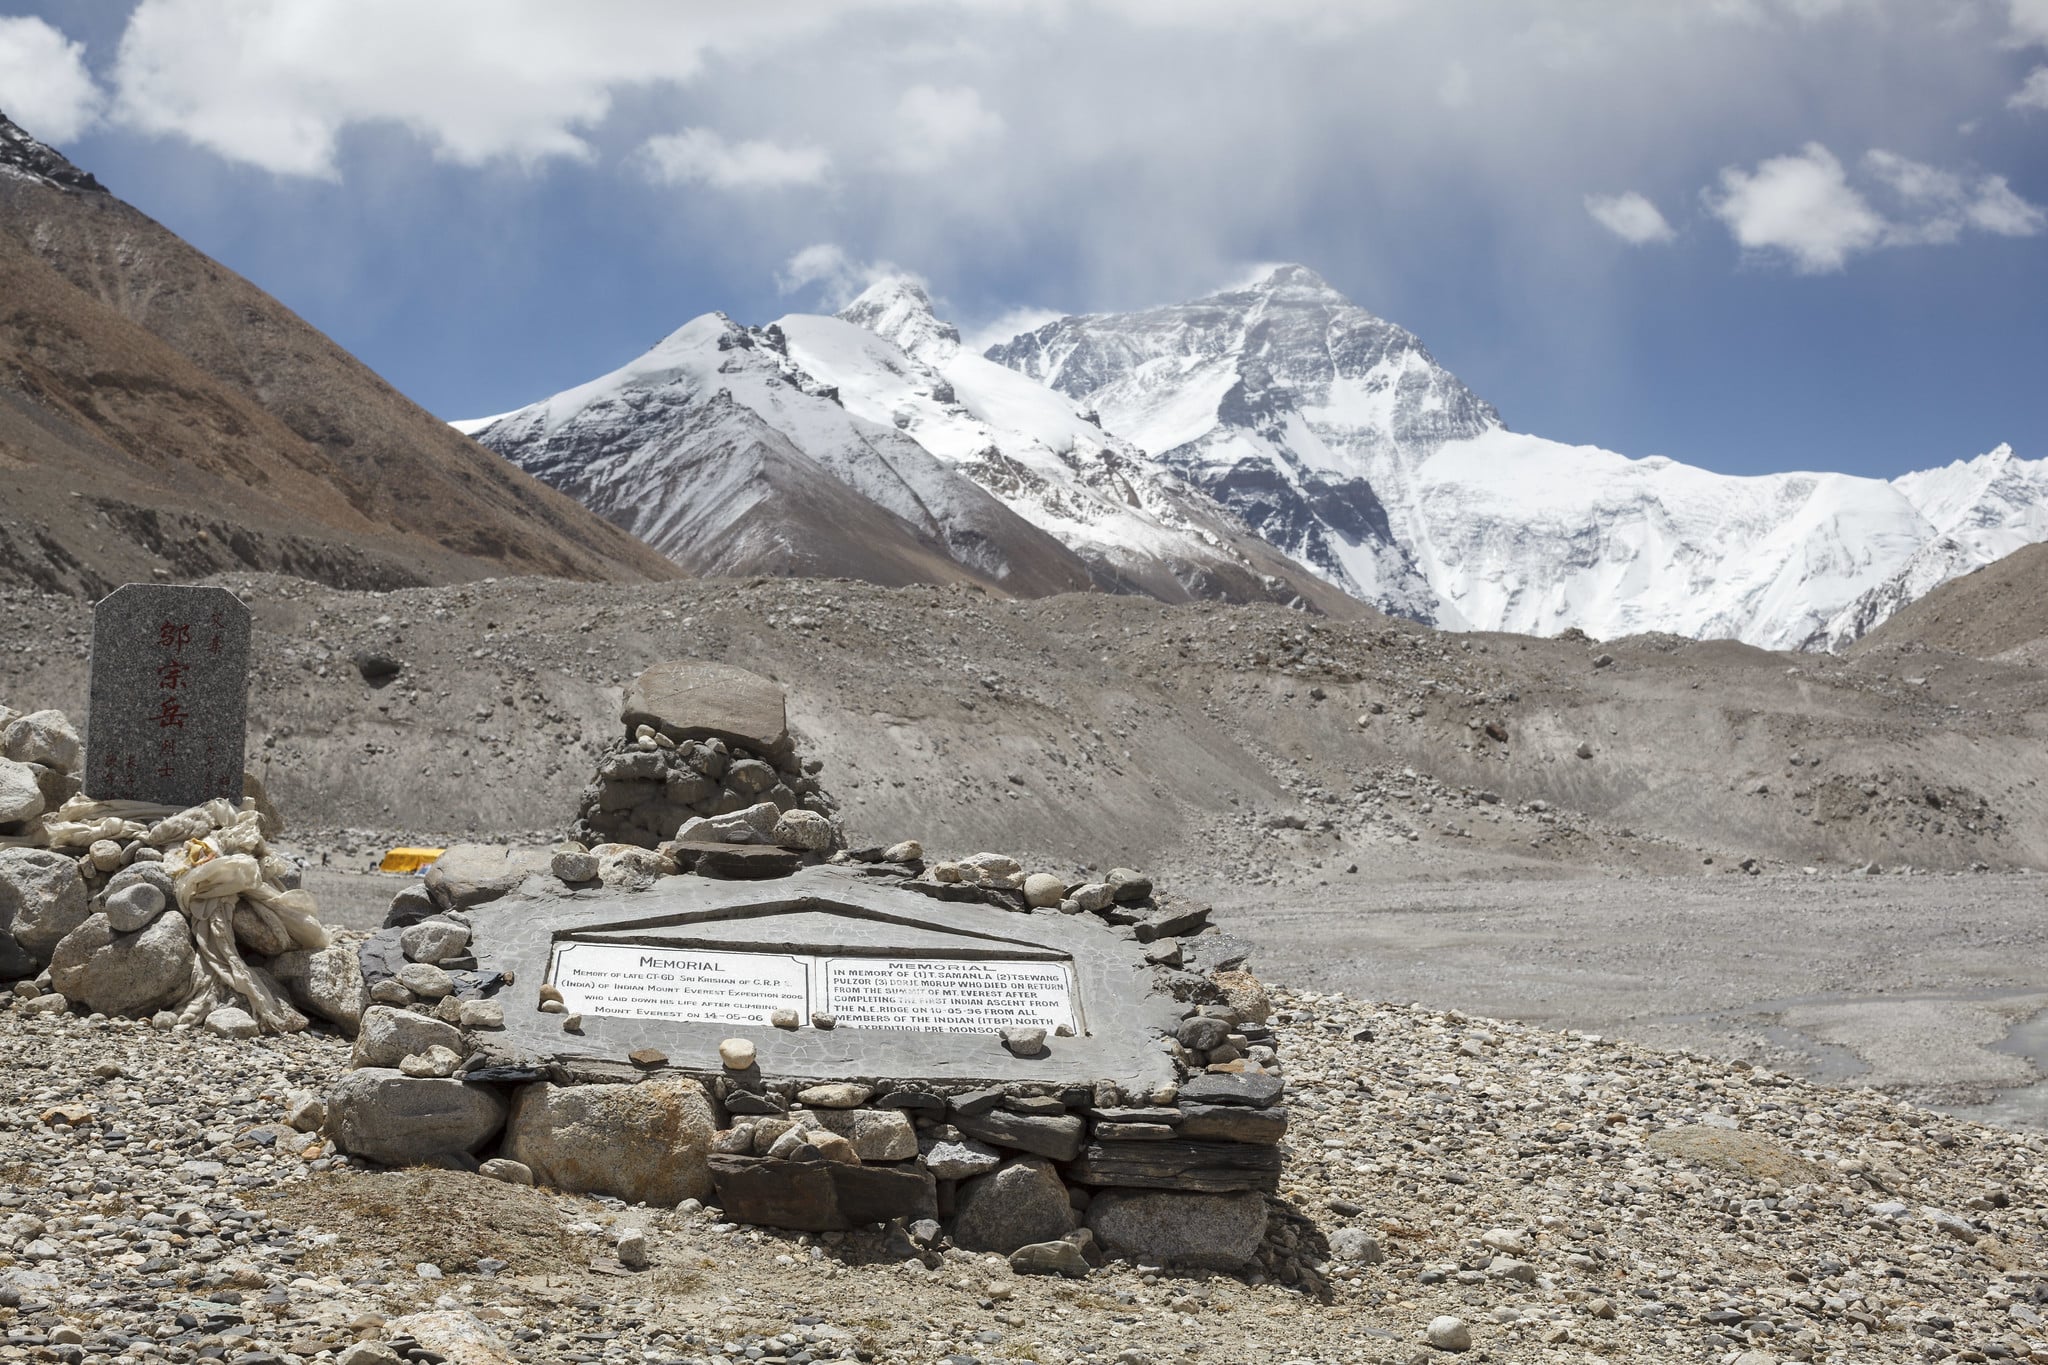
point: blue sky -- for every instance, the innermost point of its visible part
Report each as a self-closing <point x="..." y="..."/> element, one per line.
<point x="1750" y="234"/>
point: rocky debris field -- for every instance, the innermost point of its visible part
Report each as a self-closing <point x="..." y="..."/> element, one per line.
<point x="1462" y="1189"/>
<point x="1228" y="744"/>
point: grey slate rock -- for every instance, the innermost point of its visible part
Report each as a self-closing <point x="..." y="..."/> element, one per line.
<point x="411" y="905"/>
<point x="1255" y="1089"/>
<point x="476" y="874"/>
<point x="1233" y="1123"/>
<point x="974" y="1103"/>
<point x="1210" y="1167"/>
<point x="696" y="699"/>
<point x="1050" y="1258"/>
<point x="1041" y="1134"/>
<point x="401" y="1120"/>
<point x="1190" y="1231"/>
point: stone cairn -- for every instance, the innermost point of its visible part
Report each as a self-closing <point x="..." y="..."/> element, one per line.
<point x="185" y="917"/>
<point x="665" y="773"/>
<point x="1055" y="1176"/>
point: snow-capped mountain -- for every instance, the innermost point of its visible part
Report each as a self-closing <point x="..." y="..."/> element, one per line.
<point x="716" y="449"/>
<point x="700" y="445"/>
<point x="1979" y="510"/>
<point x="1338" y="437"/>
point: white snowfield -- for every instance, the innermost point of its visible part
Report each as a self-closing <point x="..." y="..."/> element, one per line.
<point x="1289" y="390"/>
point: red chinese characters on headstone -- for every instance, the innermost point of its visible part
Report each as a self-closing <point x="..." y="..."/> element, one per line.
<point x="171" y="636"/>
<point x="169" y="694"/>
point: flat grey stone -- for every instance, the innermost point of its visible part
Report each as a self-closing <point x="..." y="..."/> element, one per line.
<point x="1042" y="1134"/>
<point x="1210" y="1167"/>
<point x="1050" y="1258"/>
<point x="168" y="700"/>
<point x="476" y="874"/>
<point x="826" y="911"/>
<point x="1233" y="1123"/>
<point x="1255" y="1089"/>
<point x="1174" y="1228"/>
<point x="696" y="699"/>
<point x="401" y="1120"/>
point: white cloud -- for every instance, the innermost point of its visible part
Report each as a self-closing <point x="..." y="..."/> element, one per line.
<point x="477" y="80"/>
<point x="934" y="125"/>
<point x="2029" y="22"/>
<point x="836" y="276"/>
<point x="1007" y="325"/>
<point x="2034" y="93"/>
<point x="44" y="85"/>
<point x="1800" y="205"/>
<point x="1630" y="217"/>
<point x="1993" y="207"/>
<point x="1942" y="204"/>
<point x="702" y="156"/>
<point x="1804" y="207"/>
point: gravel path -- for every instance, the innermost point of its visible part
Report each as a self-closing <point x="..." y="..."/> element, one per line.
<point x="1566" y="1197"/>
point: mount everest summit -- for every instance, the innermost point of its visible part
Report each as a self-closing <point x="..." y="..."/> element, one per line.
<point x="1270" y="442"/>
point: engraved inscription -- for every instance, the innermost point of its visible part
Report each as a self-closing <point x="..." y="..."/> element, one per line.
<point x="689" y="985"/>
<point x="949" y="995"/>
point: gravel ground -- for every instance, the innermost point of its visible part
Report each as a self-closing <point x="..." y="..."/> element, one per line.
<point x="1567" y="1197"/>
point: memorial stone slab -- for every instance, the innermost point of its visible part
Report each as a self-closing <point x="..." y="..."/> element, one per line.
<point x="912" y="987"/>
<point x="168" y="701"/>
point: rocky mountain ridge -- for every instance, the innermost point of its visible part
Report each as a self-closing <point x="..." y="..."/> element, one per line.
<point x="733" y="449"/>
<point x="1338" y="437"/>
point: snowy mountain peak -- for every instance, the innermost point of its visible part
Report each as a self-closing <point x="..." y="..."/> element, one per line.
<point x="1296" y="280"/>
<point x="24" y="158"/>
<point x="899" y="310"/>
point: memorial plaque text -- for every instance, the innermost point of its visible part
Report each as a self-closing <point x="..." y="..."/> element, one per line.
<point x="948" y="995"/>
<point x="921" y="994"/>
<point x="687" y="984"/>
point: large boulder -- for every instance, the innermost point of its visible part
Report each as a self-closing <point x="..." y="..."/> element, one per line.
<point x="1021" y="1203"/>
<point x="327" y="982"/>
<point x="471" y="874"/>
<point x="643" y="1143"/>
<point x="44" y="737"/>
<point x="126" y="974"/>
<point x="42" y="898"/>
<point x="1177" y="1228"/>
<point x="387" y="1036"/>
<point x="399" y="1120"/>
<point x="692" y="699"/>
<point x="21" y="796"/>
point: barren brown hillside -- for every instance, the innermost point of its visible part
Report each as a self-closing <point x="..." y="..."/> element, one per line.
<point x="158" y="413"/>
<point x="1999" y="608"/>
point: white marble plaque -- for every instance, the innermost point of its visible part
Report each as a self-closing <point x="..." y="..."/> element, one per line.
<point x="693" y="985"/>
<point x="949" y="995"/>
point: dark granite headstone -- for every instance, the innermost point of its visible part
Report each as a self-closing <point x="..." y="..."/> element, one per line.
<point x="169" y="700"/>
